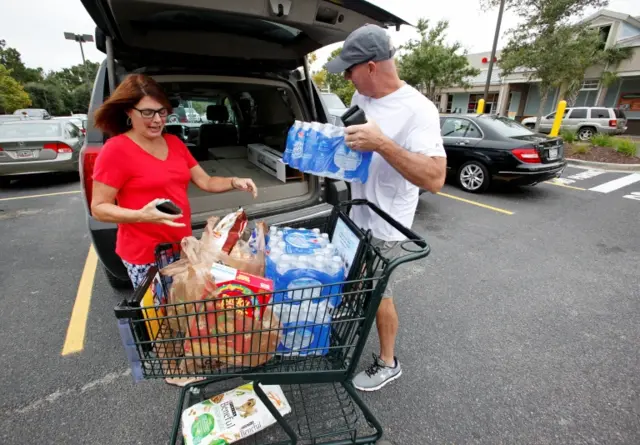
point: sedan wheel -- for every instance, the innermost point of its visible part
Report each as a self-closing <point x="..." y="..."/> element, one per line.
<point x="473" y="177"/>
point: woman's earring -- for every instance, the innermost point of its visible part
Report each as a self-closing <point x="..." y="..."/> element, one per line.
<point x="128" y="122"/>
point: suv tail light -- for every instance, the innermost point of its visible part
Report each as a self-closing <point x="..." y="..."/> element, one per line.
<point x="528" y="155"/>
<point x="613" y="123"/>
<point x="58" y="147"/>
<point x="88" y="160"/>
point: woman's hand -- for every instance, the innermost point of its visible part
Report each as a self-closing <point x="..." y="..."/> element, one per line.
<point x="150" y="214"/>
<point x="246" y="185"/>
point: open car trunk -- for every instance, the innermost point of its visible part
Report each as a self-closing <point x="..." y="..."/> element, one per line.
<point x="238" y="127"/>
<point x="274" y="33"/>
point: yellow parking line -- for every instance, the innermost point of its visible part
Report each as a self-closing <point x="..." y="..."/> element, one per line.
<point x="559" y="184"/>
<point x="74" y="342"/>
<point x="39" y="196"/>
<point x="475" y="203"/>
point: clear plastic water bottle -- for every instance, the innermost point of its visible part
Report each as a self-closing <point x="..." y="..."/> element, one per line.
<point x="329" y="250"/>
<point x="324" y="239"/>
<point x="316" y="231"/>
<point x="335" y="265"/>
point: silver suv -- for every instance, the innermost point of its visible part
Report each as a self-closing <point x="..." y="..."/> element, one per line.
<point x="584" y="121"/>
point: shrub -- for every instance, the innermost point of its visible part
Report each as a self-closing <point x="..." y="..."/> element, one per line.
<point x="626" y="147"/>
<point x="580" y="149"/>
<point x="602" y="140"/>
<point x="568" y="136"/>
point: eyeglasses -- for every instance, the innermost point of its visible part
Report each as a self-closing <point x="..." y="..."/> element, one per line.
<point x="149" y="113"/>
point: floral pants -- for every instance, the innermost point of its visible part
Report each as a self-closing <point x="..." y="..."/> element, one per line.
<point x="137" y="272"/>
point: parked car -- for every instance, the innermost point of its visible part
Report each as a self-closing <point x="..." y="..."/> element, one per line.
<point x="485" y="148"/>
<point x="38" y="146"/>
<point x="334" y="104"/>
<point x="77" y="120"/>
<point x="258" y="49"/>
<point x="12" y="117"/>
<point x="584" y="121"/>
<point x="33" y="113"/>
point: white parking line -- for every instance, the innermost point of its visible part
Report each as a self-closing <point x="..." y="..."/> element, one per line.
<point x="616" y="184"/>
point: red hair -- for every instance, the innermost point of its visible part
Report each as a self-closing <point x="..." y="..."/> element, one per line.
<point x="111" y="117"/>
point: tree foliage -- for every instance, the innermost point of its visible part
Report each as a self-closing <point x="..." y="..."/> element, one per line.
<point x="60" y="92"/>
<point x="12" y="95"/>
<point x="430" y="64"/>
<point x="12" y="60"/>
<point x="342" y="87"/>
<point x="551" y="49"/>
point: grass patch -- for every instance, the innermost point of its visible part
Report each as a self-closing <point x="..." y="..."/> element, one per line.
<point x="602" y="140"/>
<point x="626" y="147"/>
<point x="580" y="149"/>
<point x="568" y="136"/>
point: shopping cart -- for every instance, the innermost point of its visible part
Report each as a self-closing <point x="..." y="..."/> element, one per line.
<point x="160" y="342"/>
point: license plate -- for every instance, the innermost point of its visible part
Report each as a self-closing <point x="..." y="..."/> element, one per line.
<point x="25" y="154"/>
<point x="553" y="153"/>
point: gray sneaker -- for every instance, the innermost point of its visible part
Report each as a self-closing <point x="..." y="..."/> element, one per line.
<point x="377" y="375"/>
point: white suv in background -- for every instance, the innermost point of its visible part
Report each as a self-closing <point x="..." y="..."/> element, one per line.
<point x="584" y="121"/>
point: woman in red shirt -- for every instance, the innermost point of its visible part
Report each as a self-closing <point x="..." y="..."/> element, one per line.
<point x="138" y="167"/>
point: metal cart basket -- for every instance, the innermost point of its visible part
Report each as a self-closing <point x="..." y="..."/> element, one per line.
<point x="223" y="338"/>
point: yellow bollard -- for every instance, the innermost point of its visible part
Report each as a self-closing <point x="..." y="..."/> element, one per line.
<point x="555" y="128"/>
<point x="480" y="108"/>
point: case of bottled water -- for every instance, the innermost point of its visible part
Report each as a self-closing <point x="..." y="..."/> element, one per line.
<point x="306" y="269"/>
<point x="320" y="149"/>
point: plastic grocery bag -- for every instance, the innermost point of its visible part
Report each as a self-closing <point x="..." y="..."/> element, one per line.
<point x="247" y="255"/>
<point x="229" y="417"/>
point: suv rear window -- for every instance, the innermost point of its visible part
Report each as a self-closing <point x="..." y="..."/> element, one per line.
<point x="619" y="113"/>
<point x="599" y="113"/>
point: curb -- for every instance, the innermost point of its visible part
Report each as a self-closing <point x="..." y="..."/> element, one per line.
<point x="605" y="165"/>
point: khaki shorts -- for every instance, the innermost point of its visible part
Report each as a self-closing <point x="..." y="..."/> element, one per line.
<point x="389" y="250"/>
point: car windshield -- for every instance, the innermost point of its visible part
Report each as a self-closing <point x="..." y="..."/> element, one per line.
<point x="506" y="127"/>
<point x="27" y="130"/>
<point x="333" y="101"/>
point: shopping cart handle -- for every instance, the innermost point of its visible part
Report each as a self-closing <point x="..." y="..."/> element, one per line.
<point x="410" y="234"/>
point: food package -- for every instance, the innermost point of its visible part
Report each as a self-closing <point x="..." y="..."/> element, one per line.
<point x="225" y="234"/>
<point x="232" y="416"/>
<point x="230" y="327"/>
<point x="248" y="256"/>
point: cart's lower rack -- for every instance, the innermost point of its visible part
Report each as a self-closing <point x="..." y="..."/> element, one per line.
<point x="322" y="414"/>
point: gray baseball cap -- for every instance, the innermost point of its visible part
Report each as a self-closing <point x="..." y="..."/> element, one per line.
<point x="369" y="43"/>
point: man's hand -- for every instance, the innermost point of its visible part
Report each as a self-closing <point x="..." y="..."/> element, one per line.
<point x="365" y="137"/>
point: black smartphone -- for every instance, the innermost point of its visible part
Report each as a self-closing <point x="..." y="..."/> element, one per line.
<point x="168" y="207"/>
<point x="353" y="116"/>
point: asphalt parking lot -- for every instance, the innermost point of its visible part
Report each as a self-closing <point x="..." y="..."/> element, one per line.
<point x="522" y="327"/>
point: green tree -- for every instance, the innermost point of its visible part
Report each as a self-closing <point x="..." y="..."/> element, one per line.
<point x="80" y="98"/>
<point x="430" y="64"/>
<point x="73" y="77"/>
<point x="342" y="87"/>
<point x="12" y="95"/>
<point x="12" y="60"/>
<point x="554" y="51"/>
<point x="47" y="96"/>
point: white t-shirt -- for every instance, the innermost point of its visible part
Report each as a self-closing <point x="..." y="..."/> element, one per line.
<point x="412" y="121"/>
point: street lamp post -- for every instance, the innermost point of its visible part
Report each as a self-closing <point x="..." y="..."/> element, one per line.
<point x="80" y="38"/>
<point x="493" y="52"/>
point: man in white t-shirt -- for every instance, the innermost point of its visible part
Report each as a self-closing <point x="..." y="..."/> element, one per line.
<point x="403" y="132"/>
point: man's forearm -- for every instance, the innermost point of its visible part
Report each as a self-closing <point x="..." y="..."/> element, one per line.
<point x="423" y="171"/>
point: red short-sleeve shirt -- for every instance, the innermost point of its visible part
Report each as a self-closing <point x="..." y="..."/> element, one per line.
<point x="141" y="178"/>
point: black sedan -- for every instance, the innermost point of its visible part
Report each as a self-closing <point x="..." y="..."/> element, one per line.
<point x="486" y="148"/>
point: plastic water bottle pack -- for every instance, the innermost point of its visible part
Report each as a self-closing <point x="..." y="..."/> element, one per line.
<point x="320" y="149"/>
<point x="301" y="258"/>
